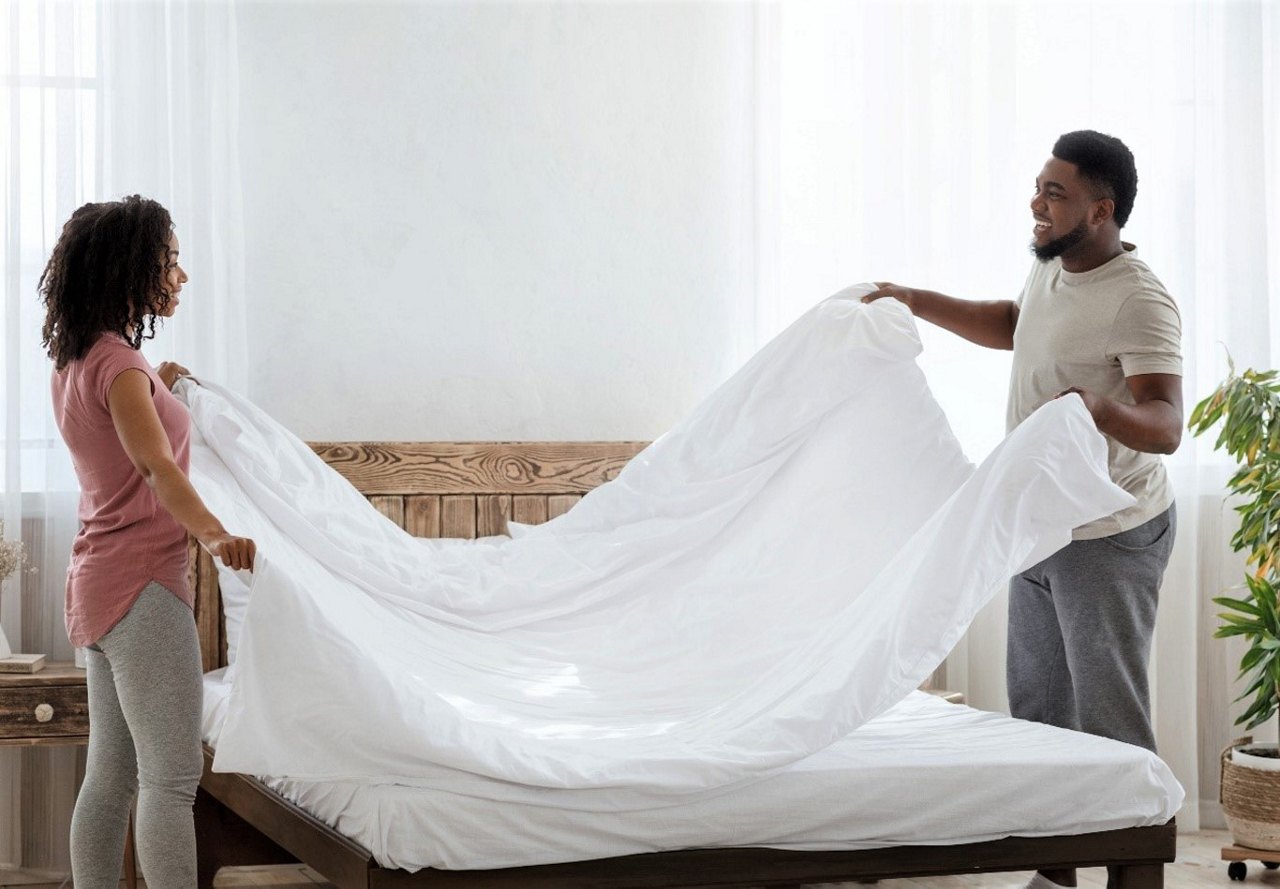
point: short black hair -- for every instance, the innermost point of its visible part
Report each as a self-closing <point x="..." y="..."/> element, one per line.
<point x="1107" y="163"/>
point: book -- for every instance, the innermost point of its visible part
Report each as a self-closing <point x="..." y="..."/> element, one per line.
<point x="22" y="663"/>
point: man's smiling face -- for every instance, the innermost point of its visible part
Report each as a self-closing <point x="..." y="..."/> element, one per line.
<point x="1060" y="209"/>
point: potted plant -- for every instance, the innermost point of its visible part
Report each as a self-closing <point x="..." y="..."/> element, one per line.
<point x="1248" y="405"/>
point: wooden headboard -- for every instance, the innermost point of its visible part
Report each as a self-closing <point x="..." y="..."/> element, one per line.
<point x="441" y="489"/>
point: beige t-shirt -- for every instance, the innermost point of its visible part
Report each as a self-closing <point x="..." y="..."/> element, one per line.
<point x="1091" y="330"/>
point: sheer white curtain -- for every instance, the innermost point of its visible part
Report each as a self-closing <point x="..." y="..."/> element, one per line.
<point x="101" y="100"/>
<point x="900" y="141"/>
<point x="50" y="167"/>
<point x="170" y="114"/>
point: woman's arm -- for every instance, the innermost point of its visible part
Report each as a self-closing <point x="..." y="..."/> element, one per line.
<point x="144" y="440"/>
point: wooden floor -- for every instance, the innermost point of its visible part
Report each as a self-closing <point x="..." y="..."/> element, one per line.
<point x="1198" y="867"/>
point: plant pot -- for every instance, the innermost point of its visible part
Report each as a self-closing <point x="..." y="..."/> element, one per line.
<point x="1264" y="757"/>
<point x="1250" y="796"/>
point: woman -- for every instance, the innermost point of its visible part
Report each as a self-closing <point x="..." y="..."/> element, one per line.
<point x="114" y="271"/>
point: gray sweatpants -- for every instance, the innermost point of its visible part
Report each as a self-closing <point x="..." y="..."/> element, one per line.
<point x="1080" y="627"/>
<point x="144" y="736"/>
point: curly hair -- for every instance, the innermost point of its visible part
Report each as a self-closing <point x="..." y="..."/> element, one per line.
<point x="1105" y="162"/>
<point x="105" y="275"/>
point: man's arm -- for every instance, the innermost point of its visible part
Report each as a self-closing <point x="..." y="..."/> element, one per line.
<point x="988" y="323"/>
<point x="1153" y="424"/>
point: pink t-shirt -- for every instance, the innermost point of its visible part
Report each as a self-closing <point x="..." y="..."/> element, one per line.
<point x="127" y="539"/>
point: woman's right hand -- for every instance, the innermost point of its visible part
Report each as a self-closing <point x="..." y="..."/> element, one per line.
<point x="235" y="552"/>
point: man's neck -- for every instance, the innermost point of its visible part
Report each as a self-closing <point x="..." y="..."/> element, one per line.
<point x="1088" y="255"/>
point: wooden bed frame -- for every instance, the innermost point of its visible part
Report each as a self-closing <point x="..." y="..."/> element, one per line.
<point x="460" y="489"/>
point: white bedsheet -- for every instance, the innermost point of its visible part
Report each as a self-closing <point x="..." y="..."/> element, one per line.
<point x="926" y="772"/>
<point x="782" y="566"/>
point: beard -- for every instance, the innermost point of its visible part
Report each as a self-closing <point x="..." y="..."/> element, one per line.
<point x="1059" y="246"/>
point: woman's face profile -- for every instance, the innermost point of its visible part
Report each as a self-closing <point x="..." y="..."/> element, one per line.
<point x="172" y="277"/>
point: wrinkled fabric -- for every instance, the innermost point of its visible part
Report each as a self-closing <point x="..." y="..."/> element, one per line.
<point x="790" y="560"/>
<point x="924" y="772"/>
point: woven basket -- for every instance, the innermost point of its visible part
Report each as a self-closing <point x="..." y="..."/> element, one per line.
<point x="1251" y="802"/>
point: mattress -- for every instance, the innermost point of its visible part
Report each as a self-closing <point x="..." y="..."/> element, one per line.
<point x="927" y="772"/>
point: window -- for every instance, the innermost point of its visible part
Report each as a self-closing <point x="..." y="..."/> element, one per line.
<point x="50" y="106"/>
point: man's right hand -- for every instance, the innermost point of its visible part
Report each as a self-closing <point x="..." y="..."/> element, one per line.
<point x="904" y="295"/>
<point x="235" y="552"/>
<point x="988" y="323"/>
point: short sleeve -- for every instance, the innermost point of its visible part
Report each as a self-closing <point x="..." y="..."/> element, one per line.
<point x="108" y="359"/>
<point x="1147" y="335"/>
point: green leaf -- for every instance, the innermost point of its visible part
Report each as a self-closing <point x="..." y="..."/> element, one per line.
<point x="1262" y="590"/>
<point x="1261" y="710"/>
<point x="1238" y="605"/>
<point x="1250" y="660"/>
<point x="1196" y="414"/>
<point x="1258" y="682"/>
<point x="1260" y="719"/>
<point x="1251" y="623"/>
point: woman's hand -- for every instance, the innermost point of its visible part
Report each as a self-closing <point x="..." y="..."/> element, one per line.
<point x="235" y="552"/>
<point x="170" y="372"/>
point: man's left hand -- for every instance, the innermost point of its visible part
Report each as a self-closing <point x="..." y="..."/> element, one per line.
<point x="1092" y="401"/>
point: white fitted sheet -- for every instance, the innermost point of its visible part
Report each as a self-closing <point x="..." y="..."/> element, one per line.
<point x="925" y="772"/>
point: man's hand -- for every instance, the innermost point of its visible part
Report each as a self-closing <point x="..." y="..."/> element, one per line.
<point x="988" y="323"/>
<point x="1092" y="401"/>
<point x="235" y="552"/>
<point x="904" y="295"/>
<point x="1152" y="424"/>
<point x="170" y="372"/>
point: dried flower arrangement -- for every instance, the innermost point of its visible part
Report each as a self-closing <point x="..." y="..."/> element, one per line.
<point x="13" y="555"/>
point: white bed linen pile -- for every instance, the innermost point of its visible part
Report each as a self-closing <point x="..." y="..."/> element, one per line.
<point x="784" y="565"/>
<point x="924" y="773"/>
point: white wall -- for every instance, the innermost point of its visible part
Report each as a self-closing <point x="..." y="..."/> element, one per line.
<point x="493" y="221"/>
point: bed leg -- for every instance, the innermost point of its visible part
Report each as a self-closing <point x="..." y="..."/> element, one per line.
<point x="224" y="839"/>
<point x="1135" y="876"/>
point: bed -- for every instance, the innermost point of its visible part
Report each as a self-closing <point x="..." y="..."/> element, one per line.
<point x="468" y="490"/>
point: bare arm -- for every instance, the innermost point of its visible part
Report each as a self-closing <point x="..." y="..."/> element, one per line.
<point x="1153" y="424"/>
<point x="144" y="440"/>
<point x="988" y="323"/>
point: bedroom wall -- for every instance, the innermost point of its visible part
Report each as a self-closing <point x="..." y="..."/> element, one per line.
<point x="494" y="221"/>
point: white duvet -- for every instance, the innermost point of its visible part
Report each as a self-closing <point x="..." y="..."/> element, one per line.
<point x="784" y="565"/>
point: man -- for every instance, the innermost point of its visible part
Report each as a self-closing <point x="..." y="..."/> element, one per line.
<point x="1092" y="320"/>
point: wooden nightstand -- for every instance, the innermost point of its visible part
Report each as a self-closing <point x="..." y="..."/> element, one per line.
<point x="48" y="707"/>
<point x="51" y="707"/>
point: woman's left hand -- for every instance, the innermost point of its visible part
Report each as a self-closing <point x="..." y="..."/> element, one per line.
<point x="170" y="372"/>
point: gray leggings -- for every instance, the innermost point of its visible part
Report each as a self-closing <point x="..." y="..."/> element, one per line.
<point x="1080" y="626"/>
<point x="144" y="736"/>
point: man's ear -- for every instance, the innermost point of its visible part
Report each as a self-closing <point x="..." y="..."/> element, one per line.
<point x="1103" y="209"/>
